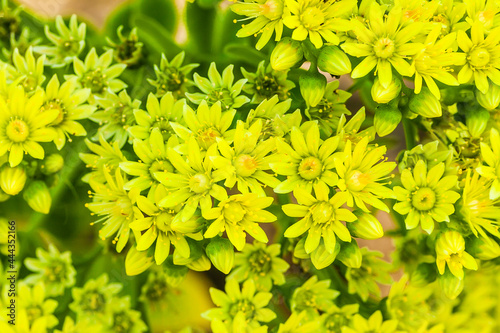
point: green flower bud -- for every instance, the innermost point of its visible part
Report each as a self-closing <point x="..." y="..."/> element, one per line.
<point x="312" y="87"/>
<point x="321" y="258"/>
<point x="386" y="119"/>
<point x="491" y="99"/>
<point x="52" y="164"/>
<point x="137" y="262"/>
<point x="350" y="254"/>
<point x="485" y="248"/>
<point x="195" y="252"/>
<point x="423" y="275"/>
<point x="221" y="254"/>
<point x="366" y="226"/>
<point x="12" y="180"/>
<point x="175" y="273"/>
<point x="425" y="104"/>
<point x="383" y="95"/>
<point x="299" y="250"/>
<point x="38" y="197"/>
<point x="286" y="54"/>
<point x="333" y="60"/>
<point x="476" y="121"/>
<point x="201" y="264"/>
<point x="451" y="285"/>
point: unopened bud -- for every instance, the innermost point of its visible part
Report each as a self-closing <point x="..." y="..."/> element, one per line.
<point x="201" y="264"/>
<point x="386" y="119"/>
<point x="477" y="120"/>
<point x="425" y="104"/>
<point x="38" y="197"/>
<point x="137" y="262"/>
<point x="366" y="226"/>
<point x="286" y="54"/>
<point x="383" y="95"/>
<point x="350" y="254"/>
<point x="485" y="248"/>
<point x="52" y="164"/>
<point x="312" y="87"/>
<point x="423" y="275"/>
<point x="333" y="60"/>
<point x="175" y="273"/>
<point x="491" y="99"/>
<point x="451" y="285"/>
<point x="321" y="258"/>
<point x="220" y="251"/>
<point x="12" y="180"/>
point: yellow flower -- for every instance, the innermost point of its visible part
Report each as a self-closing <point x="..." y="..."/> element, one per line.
<point x="450" y="250"/>
<point x="491" y="157"/>
<point x="482" y="61"/>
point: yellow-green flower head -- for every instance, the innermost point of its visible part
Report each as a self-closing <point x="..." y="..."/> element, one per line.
<point x="366" y="279"/>
<point x="11" y="21"/>
<point x="155" y="290"/>
<point x="360" y="172"/>
<point x="434" y="62"/>
<point x="172" y="76"/>
<point x="329" y="109"/>
<point x="307" y="161"/>
<point x="317" y="19"/>
<point x="482" y="60"/>
<point x="267" y="82"/>
<point x="115" y="205"/>
<point x="483" y="11"/>
<point x="384" y="44"/>
<point x="70" y="102"/>
<point x="21" y="41"/>
<point x="160" y="113"/>
<point x="124" y="319"/>
<point x="219" y="88"/>
<point x="128" y="50"/>
<point x="336" y="318"/>
<point x="426" y="196"/>
<point x="105" y="158"/>
<point x="28" y="70"/>
<point x="261" y="263"/>
<point x="351" y="130"/>
<point x="193" y="184"/>
<point x="38" y="197"/>
<point x="97" y="73"/>
<point x="321" y="217"/>
<point x="272" y="113"/>
<point x="246" y="161"/>
<point x="93" y="302"/>
<point x="152" y="158"/>
<point x="477" y="208"/>
<point x="35" y="311"/>
<point x="268" y="18"/>
<point x="299" y="323"/>
<point x="313" y="296"/>
<point x="116" y="116"/>
<point x="238" y="215"/>
<point x="491" y="156"/>
<point x="448" y="16"/>
<point x="429" y="153"/>
<point x="245" y="305"/>
<point x="23" y="126"/>
<point x="374" y="324"/>
<point x="12" y="180"/>
<point x="161" y="227"/>
<point x="68" y="42"/>
<point x="205" y="125"/>
<point x="53" y="268"/>
<point x="450" y="250"/>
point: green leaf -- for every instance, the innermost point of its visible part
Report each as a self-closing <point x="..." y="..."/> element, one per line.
<point x="244" y="53"/>
<point x="200" y="27"/>
<point x="155" y="37"/>
<point x="163" y="12"/>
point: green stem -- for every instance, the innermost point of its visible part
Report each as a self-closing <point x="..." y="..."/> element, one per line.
<point x="409" y="130"/>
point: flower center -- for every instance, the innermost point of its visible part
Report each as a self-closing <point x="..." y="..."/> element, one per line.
<point x="33" y="313"/>
<point x="335" y="322"/>
<point x="479" y="57"/>
<point x="54" y="105"/>
<point x="244" y="306"/>
<point x="170" y="80"/>
<point x="272" y="9"/>
<point x="163" y="221"/>
<point x="260" y="262"/>
<point x="312" y="18"/>
<point x="245" y="165"/>
<point x="56" y="272"/>
<point x="199" y="183"/>
<point x="93" y="302"/>
<point x="234" y="212"/>
<point x="310" y="168"/>
<point x="423" y="199"/>
<point x="71" y="47"/>
<point x="208" y="137"/>
<point x="94" y="80"/>
<point x="486" y="17"/>
<point x="322" y="212"/>
<point x="384" y="48"/>
<point x="17" y="130"/>
<point x="223" y="95"/>
<point x="356" y="180"/>
<point x="122" y="323"/>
